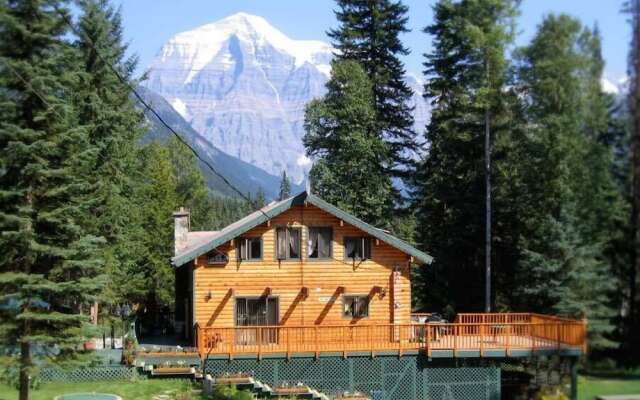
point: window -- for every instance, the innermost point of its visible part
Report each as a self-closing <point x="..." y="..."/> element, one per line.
<point x="357" y="248"/>
<point x="256" y="311"/>
<point x="320" y="242"/>
<point x="217" y="258"/>
<point x="355" y="307"/>
<point x="288" y="243"/>
<point x="250" y="248"/>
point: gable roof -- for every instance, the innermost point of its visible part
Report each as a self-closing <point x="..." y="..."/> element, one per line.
<point x="216" y="239"/>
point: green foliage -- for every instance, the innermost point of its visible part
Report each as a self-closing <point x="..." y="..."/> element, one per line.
<point x="222" y="392"/>
<point x="285" y="187"/>
<point x="467" y="76"/>
<point x="114" y="126"/>
<point x="350" y="156"/>
<point x="260" y="201"/>
<point x="579" y="202"/>
<point x="369" y="33"/>
<point x="50" y="268"/>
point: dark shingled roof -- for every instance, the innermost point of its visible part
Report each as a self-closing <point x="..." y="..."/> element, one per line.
<point x="215" y="239"/>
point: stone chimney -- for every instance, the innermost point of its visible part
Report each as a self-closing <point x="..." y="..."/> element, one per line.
<point x="182" y="225"/>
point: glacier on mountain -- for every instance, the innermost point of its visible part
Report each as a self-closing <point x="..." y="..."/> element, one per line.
<point x="243" y="85"/>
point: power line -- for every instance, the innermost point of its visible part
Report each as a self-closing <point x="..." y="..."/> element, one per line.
<point x="176" y="134"/>
<point x="147" y="106"/>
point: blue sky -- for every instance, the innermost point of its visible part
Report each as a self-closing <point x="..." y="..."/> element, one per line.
<point x="150" y="23"/>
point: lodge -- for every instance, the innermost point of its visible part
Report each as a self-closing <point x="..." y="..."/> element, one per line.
<point x="303" y="280"/>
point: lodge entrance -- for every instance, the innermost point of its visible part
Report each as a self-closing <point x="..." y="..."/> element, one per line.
<point x="254" y="312"/>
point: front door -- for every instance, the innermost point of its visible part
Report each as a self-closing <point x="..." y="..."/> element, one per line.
<point x="254" y="312"/>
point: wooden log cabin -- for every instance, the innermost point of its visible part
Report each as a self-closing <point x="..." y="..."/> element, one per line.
<point x="301" y="291"/>
<point x="300" y="262"/>
<point x="301" y="276"/>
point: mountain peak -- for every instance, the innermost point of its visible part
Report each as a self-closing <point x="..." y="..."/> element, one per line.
<point x="203" y="43"/>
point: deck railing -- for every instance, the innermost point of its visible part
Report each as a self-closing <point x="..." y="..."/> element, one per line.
<point x="503" y="332"/>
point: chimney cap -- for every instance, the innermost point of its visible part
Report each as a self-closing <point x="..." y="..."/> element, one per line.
<point x="182" y="212"/>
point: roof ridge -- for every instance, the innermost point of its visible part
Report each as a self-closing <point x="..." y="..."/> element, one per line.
<point x="272" y="210"/>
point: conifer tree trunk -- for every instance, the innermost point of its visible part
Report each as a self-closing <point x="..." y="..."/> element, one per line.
<point x="25" y="363"/>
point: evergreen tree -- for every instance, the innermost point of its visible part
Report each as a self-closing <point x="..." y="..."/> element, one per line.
<point x="191" y="185"/>
<point x="159" y="198"/>
<point x="261" y="201"/>
<point x="631" y="331"/>
<point x="369" y="33"/>
<point x="115" y="126"/>
<point x="285" y="186"/>
<point x="350" y="156"/>
<point x="49" y="270"/>
<point x="467" y="75"/>
<point x="576" y="196"/>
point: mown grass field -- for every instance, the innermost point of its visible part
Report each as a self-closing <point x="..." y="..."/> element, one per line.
<point x="591" y="386"/>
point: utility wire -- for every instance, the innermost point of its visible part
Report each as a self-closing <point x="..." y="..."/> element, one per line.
<point x="147" y="106"/>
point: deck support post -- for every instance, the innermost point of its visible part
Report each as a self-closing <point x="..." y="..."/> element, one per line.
<point x="259" y="343"/>
<point x="344" y="343"/>
<point x="316" y="341"/>
<point x="574" y="379"/>
<point x="481" y="340"/>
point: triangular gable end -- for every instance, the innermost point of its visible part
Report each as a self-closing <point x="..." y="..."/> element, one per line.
<point x="272" y="210"/>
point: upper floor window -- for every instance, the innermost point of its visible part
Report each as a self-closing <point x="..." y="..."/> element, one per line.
<point x="355" y="306"/>
<point x="320" y="242"/>
<point x="358" y="248"/>
<point x="287" y="243"/>
<point x="217" y="258"/>
<point x="250" y="248"/>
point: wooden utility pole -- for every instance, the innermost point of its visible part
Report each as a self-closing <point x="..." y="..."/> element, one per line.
<point x="487" y="174"/>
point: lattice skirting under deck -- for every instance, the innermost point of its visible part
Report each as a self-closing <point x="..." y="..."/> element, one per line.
<point x="383" y="377"/>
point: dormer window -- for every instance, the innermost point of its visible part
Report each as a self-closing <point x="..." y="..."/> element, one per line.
<point x="357" y="248"/>
<point x="288" y="243"/>
<point x="249" y="248"/>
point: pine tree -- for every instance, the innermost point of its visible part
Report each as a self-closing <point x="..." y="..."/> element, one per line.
<point x="350" y="156"/>
<point x="369" y="33"/>
<point x="261" y="201"/>
<point x="191" y="185"/>
<point x="575" y="192"/>
<point x="285" y="186"/>
<point x="466" y="83"/>
<point x="115" y="126"/>
<point x="631" y="332"/>
<point x="49" y="271"/>
<point x="159" y="196"/>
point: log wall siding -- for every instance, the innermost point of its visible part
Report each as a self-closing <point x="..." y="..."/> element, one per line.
<point x="322" y="278"/>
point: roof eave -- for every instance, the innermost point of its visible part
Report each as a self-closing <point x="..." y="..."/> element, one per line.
<point x="261" y="218"/>
<point x="299" y="199"/>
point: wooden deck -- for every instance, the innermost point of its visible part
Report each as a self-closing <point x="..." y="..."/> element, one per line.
<point x="470" y="335"/>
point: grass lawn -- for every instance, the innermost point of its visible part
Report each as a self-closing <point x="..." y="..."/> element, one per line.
<point x="590" y="386"/>
<point x="137" y="390"/>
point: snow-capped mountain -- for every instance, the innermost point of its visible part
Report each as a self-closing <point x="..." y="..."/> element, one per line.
<point x="243" y="85"/>
<point x="616" y="87"/>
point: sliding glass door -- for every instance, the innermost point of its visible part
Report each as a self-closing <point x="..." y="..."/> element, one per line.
<point x="254" y="312"/>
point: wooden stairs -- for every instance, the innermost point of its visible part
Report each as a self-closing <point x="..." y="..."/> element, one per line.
<point x="263" y="390"/>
